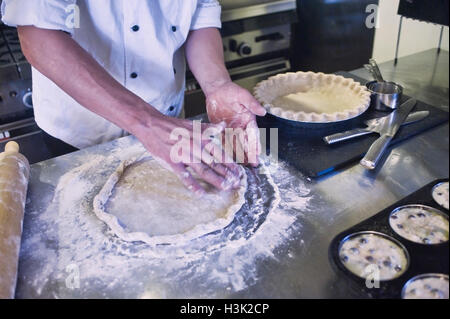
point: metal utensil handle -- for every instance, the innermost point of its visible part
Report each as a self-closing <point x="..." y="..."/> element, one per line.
<point x="375" y="153"/>
<point x="368" y="67"/>
<point x="372" y="72"/>
<point x="340" y="137"/>
<point x="376" y="70"/>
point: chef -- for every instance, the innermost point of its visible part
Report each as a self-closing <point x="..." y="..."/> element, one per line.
<point x="103" y="69"/>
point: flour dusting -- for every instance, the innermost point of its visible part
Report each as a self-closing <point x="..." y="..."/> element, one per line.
<point x="72" y="254"/>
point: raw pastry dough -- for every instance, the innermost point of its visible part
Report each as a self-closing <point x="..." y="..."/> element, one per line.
<point x="142" y="201"/>
<point x="313" y="97"/>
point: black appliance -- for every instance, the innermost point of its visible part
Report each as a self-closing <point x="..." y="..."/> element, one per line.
<point x="333" y="35"/>
<point x="16" y="105"/>
<point x="435" y="11"/>
<point x="15" y="78"/>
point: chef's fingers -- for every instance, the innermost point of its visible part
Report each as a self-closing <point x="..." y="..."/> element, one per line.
<point x="210" y="168"/>
<point x="231" y="177"/>
<point x="237" y="114"/>
<point x="229" y="164"/>
<point x="186" y="178"/>
<point x="210" y="160"/>
<point x="253" y="143"/>
<point x="203" y="134"/>
<point x="213" y="152"/>
<point x="229" y="145"/>
<point x="207" y="174"/>
<point x="209" y="149"/>
<point x="251" y="104"/>
<point x="233" y="144"/>
<point x="243" y="141"/>
<point x="187" y="143"/>
<point x="213" y="129"/>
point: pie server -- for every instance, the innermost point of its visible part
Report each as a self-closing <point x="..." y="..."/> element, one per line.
<point x="388" y="131"/>
<point x="373" y="126"/>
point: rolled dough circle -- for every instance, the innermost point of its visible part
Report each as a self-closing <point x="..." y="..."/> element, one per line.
<point x="144" y="202"/>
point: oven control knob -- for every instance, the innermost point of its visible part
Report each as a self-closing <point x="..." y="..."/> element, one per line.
<point x="244" y="49"/>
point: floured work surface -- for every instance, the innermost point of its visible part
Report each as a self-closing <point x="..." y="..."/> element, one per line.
<point x="68" y="252"/>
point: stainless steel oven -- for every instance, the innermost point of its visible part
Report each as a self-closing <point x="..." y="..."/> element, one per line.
<point x="257" y="43"/>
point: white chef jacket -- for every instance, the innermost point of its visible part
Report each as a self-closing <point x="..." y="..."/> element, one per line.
<point x="139" y="42"/>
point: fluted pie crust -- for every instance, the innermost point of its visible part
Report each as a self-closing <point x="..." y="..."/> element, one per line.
<point x="313" y="97"/>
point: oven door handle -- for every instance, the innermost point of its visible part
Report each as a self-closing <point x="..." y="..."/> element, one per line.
<point x="276" y="36"/>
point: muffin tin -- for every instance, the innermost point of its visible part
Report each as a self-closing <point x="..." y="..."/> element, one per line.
<point x="427" y="253"/>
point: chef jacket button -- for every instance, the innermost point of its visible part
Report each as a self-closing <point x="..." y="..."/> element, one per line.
<point x="174" y="70"/>
<point x="172" y="108"/>
<point x="174" y="28"/>
<point x="135" y="28"/>
<point x="133" y="75"/>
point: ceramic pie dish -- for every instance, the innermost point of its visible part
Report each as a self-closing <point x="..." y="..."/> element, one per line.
<point x="310" y="97"/>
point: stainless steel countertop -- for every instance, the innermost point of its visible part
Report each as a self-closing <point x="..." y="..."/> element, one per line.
<point x="301" y="268"/>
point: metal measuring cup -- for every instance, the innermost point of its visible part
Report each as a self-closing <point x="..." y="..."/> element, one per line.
<point x="386" y="96"/>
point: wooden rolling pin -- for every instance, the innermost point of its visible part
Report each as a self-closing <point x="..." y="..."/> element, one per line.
<point x="14" y="174"/>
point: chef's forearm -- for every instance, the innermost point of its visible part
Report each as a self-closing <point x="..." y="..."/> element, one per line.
<point x="204" y="53"/>
<point x="57" y="56"/>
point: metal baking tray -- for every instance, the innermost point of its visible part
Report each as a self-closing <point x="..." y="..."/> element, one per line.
<point x="423" y="258"/>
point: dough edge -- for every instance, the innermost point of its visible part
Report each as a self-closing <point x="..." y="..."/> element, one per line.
<point x="112" y="221"/>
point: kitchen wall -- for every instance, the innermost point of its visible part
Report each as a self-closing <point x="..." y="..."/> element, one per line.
<point x="416" y="36"/>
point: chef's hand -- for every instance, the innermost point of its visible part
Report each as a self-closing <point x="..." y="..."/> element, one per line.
<point x="230" y="103"/>
<point x="161" y="135"/>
